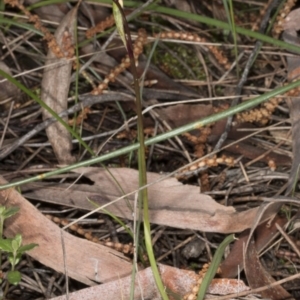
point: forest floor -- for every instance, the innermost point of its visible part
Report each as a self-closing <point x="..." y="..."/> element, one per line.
<point x="220" y="114"/>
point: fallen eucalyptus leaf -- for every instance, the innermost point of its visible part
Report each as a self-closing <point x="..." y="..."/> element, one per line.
<point x="85" y="261"/>
<point x="170" y="202"/>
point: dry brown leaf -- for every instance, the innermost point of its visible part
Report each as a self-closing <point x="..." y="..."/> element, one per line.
<point x="177" y="282"/>
<point x="170" y="202"/>
<point x="55" y="89"/>
<point x="233" y="263"/>
<point x="292" y="20"/>
<point x="224" y="286"/>
<point x="257" y="276"/>
<point x="86" y="262"/>
<point x="182" y="114"/>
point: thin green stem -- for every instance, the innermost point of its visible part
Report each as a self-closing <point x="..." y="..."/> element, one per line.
<point x="143" y="193"/>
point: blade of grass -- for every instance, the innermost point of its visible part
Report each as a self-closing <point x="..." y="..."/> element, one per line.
<point x="190" y="16"/>
<point x="14" y="22"/>
<point x="77" y="70"/>
<point x="162" y="137"/>
<point x="172" y="12"/>
<point x="230" y="18"/>
<point x="208" y="21"/>
<point x="223" y="25"/>
<point x="212" y="270"/>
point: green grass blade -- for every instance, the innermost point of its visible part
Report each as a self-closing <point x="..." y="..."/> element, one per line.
<point x="13" y="22"/>
<point x="209" y="21"/>
<point x="230" y="18"/>
<point x="212" y="270"/>
<point x="223" y="25"/>
<point x="162" y="137"/>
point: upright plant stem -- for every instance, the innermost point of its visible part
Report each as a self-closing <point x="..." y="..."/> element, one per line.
<point x="143" y="194"/>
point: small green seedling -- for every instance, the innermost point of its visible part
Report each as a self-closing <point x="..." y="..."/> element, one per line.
<point x="13" y="247"/>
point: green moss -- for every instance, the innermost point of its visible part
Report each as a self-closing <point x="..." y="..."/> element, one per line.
<point x="170" y="62"/>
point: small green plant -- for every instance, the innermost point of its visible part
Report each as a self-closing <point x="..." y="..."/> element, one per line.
<point x="13" y="248"/>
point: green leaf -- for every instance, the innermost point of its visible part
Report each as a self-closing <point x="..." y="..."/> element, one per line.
<point x="16" y="242"/>
<point x="5" y="245"/>
<point x="10" y="212"/>
<point x="25" y="248"/>
<point x="14" y="277"/>
<point x="119" y="21"/>
<point x="11" y="258"/>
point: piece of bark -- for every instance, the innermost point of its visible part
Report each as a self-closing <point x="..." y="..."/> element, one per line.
<point x="55" y="88"/>
<point x="85" y="261"/>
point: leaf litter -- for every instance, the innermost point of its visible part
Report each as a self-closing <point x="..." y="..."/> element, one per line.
<point x="251" y="167"/>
